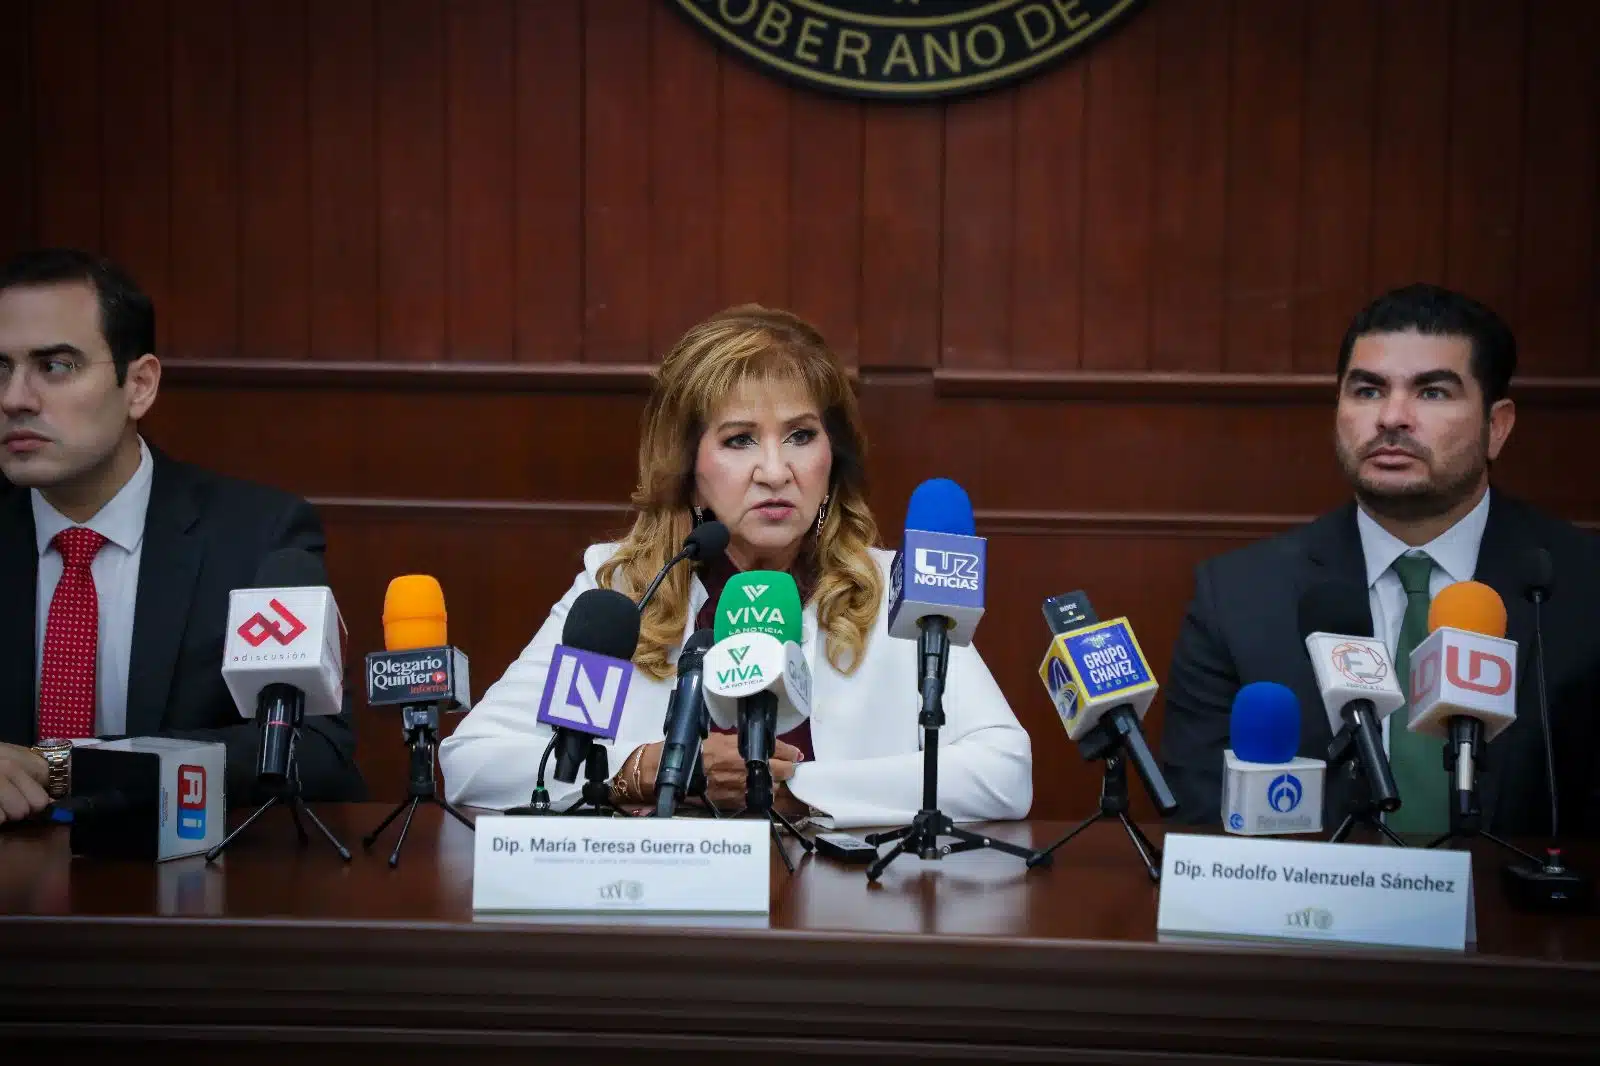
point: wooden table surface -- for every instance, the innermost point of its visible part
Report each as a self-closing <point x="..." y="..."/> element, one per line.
<point x="278" y="951"/>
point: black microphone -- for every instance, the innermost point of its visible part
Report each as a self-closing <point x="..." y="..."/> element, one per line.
<point x="1358" y="686"/>
<point x="603" y="622"/>
<point x="704" y="543"/>
<point x="1551" y="886"/>
<point x="686" y="725"/>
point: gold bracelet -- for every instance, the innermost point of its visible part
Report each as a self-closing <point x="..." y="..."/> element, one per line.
<point x="638" y="769"/>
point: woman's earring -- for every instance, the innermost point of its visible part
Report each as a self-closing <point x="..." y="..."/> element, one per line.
<point x="699" y="513"/>
<point x="822" y="513"/>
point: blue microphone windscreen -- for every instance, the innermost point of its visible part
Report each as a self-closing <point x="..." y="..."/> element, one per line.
<point x="939" y="505"/>
<point x="1265" y="724"/>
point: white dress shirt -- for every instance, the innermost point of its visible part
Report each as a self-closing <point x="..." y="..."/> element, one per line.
<point x="1455" y="558"/>
<point x="116" y="585"/>
<point x="864" y="733"/>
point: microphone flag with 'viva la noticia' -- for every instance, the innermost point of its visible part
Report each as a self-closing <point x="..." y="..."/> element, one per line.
<point x="758" y="632"/>
<point x="1091" y="670"/>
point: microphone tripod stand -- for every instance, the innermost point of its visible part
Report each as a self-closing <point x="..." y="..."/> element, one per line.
<point x="1466" y="814"/>
<point x="1104" y="741"/>
<point x="921" y="837"/>
<point x="281" y="710"/>
<point x="422" y="736"/>
<point x="596" y="785"/>
<point x="1360" y="809"/>
<point x="758" y="719"/>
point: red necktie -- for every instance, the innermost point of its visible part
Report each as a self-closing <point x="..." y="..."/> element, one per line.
<point x="71" y="640"/>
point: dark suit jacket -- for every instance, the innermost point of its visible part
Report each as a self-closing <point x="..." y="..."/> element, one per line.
<point x="204" y="536"/>
<point x="1242" y="627"/>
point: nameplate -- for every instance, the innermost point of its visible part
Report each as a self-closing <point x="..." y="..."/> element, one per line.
<point x="1226" y="886"/>
<point x="577" y="865"/>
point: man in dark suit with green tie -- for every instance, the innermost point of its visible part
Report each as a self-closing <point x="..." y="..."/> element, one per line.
<point x="1424" y="407"/>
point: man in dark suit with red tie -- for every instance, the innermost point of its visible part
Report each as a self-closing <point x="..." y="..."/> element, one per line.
<point x="116" y="561"/>
<point x="1423" y="409"/>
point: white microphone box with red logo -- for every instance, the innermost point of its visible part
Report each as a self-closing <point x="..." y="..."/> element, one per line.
<point x="292" y="636"/>
<point x="149" y="798"/>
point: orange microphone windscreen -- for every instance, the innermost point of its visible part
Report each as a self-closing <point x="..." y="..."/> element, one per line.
<point x="413" y="613"/>
<point x="1469" y="605"/>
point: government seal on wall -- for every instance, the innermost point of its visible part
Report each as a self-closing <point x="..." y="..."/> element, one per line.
<point x="906" y="49"/>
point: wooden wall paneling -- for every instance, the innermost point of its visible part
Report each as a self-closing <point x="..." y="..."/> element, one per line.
<point x="1047" y="229"/>
<point x="203" y="309"/>
<point x="826" y="219"/>
<point x="1411" y="144"/>
<point x="137" y="146"/>
<point x="1119" y="198"/>
<point x="548" y="194"/>
<point x="480" y="130"/>
<point x="754" y="186"/>
<point x="17" y="209"/>
<point x="274" y="182"/>
<point x="617" y="180"/>
<point x="980" y="160"/>
<point x="1335" y="178"/>
<point x="413" y="226"/>
<point x="343" y="263"/>
<point x="684" y="130"/>
<point x="1559" y="262"/>
<point x="68" y="156"/>
<point x="1264" y="157"/>
<point x="1487" y="101"/>
<point x="902" y="203"/>
<point x="1191" y="181"/>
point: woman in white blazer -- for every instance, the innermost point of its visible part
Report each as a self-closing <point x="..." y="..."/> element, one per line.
<point x="752" y="421"/>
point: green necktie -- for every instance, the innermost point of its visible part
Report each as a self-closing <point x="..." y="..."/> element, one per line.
<point x="1417" y="761"/>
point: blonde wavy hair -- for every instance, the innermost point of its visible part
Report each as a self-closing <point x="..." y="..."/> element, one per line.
<point x="713" y="359"/>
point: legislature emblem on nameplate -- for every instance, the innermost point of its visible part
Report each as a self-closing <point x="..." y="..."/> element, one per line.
<point x="906" y="49"/>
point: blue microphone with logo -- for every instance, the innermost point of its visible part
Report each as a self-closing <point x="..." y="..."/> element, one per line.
<point x="936" y="599"/>
<point x="585" y="689"/>
<point x="1267" y="789"/>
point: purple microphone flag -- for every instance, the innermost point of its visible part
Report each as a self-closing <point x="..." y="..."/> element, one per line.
<point x="584" y="691"/>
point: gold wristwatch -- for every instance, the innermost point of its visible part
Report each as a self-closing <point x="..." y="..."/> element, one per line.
<point x="57" y="755"/>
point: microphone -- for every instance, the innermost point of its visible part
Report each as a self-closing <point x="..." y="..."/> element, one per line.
<point x="418" y="667"/>
<point x="283" y="656"/>
<point x="1101" y="686"/>
<point x="1549" y="885"/>
<point x="283" y="659"/>
<point x="1357" y="683"/>
<point x="936" y="599"/>
<point x="147" y="798"/>
<point x="419" y="671"/>
<point x="585" y="689"/>
<point x="940" y="601"/>
<point x="705" y="542"/>
<point x="756" y="675"/>
<point x="1463" y="688"/>
<point x="685" y="727"/>
<point x="1267" y="788"/>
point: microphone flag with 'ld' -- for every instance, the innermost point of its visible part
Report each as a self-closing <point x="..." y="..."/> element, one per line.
<point x="758" y="681"/>
<point x="420" y="672"/>
<point x="1101" y="686"/>
<point x="282" y="660"/>
<point x="1357" y="683"/>
<point x="936" y="586"/>
<point x="585" y="690"/>
<point x="1267" y="788"/>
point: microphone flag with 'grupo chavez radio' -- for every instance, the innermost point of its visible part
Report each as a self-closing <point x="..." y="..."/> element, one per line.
<point x="1090" y="670"/>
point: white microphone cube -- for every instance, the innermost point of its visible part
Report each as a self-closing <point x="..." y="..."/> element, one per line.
<point x="945" y="579"/>
<point x="1456" y="672"/>
<point x="288" y="636"/>
<point x="1353" y="668"/>
<point x="185" y="779"/>
<point x="1265" y="799"/>
<point x="739" y="666"/>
